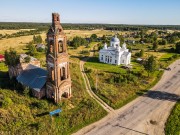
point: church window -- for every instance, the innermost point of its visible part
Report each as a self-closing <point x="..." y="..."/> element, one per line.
<point x="51" y="46"/>
<point x="63" y="73"/>
<point x="57" y="18"/>
<point x="102" y="57"/>
<point x="115" y="61"/>
<point x="52" y="74"/>
<point x="60" y="46"/>
<point x="110" y="59"/>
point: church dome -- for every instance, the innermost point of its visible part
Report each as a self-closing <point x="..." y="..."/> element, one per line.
<point x="115" y="39"/>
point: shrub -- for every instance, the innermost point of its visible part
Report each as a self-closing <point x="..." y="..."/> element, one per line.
<point x="42" y="104"/>
<point x="6" y="102"/>
<point x="26" y="91"/>
<point x="40" y="49"/>
<point x="27" y="59"/>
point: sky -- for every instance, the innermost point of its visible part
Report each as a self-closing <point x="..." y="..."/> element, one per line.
<point x="152" y="12"/>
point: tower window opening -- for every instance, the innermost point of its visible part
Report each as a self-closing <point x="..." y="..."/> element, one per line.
<point x="51" y="46"/>
<point x="52" y="74"/>
<point x="63" y="73"/>
<point x="60" y="46"/>
<point x="57" y="18"/>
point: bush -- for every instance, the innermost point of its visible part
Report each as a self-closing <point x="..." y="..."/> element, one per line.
<point x="42" y="104"/>
<point x="26" y="91"/>
<point x="27" y="59"/>
<point x="173" y="122"/>
<point x="6" y="102"/>
<point x="40" y="49"/>
<point x="177" y="47"/>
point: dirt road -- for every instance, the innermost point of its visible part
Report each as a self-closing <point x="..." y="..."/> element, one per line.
<point x="144" y="116"/>
<point x="89" y="90"/>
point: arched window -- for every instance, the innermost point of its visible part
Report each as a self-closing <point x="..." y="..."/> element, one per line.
<point x="63" y="73"/>
<point x="52" y="73"/>
<point x="57" y="18"/>
<point x="51" y="49"/>
<point x="60" y="46"/>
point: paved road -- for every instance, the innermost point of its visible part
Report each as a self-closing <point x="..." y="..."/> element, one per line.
<point x="144" y="116"/>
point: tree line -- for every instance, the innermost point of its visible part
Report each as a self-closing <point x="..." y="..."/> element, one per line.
<point x="114" y="27"/>
<point x="21" y="33"/>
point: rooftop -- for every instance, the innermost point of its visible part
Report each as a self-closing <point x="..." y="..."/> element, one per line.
<point x="33" y="77"/>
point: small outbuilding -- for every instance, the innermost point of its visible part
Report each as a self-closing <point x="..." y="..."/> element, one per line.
<point x="35" y="78"/>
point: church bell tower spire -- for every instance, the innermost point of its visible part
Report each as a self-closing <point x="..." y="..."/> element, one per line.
<point x="59" y="80"/>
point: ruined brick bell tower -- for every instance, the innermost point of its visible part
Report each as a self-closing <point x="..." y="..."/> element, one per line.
<point x="59" y="81"/>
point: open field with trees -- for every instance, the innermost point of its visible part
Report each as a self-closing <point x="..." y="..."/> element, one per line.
<point x="116" y="85"/>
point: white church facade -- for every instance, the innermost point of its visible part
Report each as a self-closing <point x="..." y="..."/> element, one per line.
<point x="115" y="54"/>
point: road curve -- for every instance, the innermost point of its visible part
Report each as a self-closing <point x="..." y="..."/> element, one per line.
<point x="146" y="115"/>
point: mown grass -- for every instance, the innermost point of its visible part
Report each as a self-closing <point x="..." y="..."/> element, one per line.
<point x="173" y="122"/>
<point x="27" y="115"/>
<point x="94" y="63"/>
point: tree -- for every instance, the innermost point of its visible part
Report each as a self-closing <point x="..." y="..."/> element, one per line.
<point x="163" y="42"/>
<point x="78" y="41"/>
<point x="104" y="39"/>
<point x="11" y="57"/>
<point x="177" y="47"/>
<point x="26" y="91"/>
<point x="93" y="37"/>
<point x="121" y="38"/>
<point x="27" y="59"/>
<point x="155" y="46"/>
<point x="150" y="64"/>
<point x="32" y="49"/>
<point x="141" y="53"/>
<point x="37" y="39"/>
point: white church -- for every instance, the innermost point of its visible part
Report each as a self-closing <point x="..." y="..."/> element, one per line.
<point x="115" y="54"/>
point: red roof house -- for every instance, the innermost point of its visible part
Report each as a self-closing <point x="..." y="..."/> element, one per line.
<point x="2" y="58"/>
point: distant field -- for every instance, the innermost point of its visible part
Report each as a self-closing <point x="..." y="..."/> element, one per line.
<point x="19" y="42"/>
<point x="3" y="32"/>
<point x="87" y="33"/>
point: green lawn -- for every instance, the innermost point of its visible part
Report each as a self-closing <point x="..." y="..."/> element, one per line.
<point x="118" y="86"/>
<point x="173" y="122"/>
<point x="166" y="56"/>
<point x="94" y="63"/>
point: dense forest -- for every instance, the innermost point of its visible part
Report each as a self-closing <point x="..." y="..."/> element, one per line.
<point x="45" y="26"/>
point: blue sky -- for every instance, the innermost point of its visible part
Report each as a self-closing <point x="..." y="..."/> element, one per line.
<point x="92" y="11"/>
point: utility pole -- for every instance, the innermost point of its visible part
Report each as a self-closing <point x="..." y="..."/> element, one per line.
<point x="96" y="79"/>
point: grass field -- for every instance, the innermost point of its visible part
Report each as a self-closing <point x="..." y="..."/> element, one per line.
<point x="27" y="115"/>
<point x="17" y="43"/>
<point x="103" y="78"/>
<point x="173" y="122"/>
